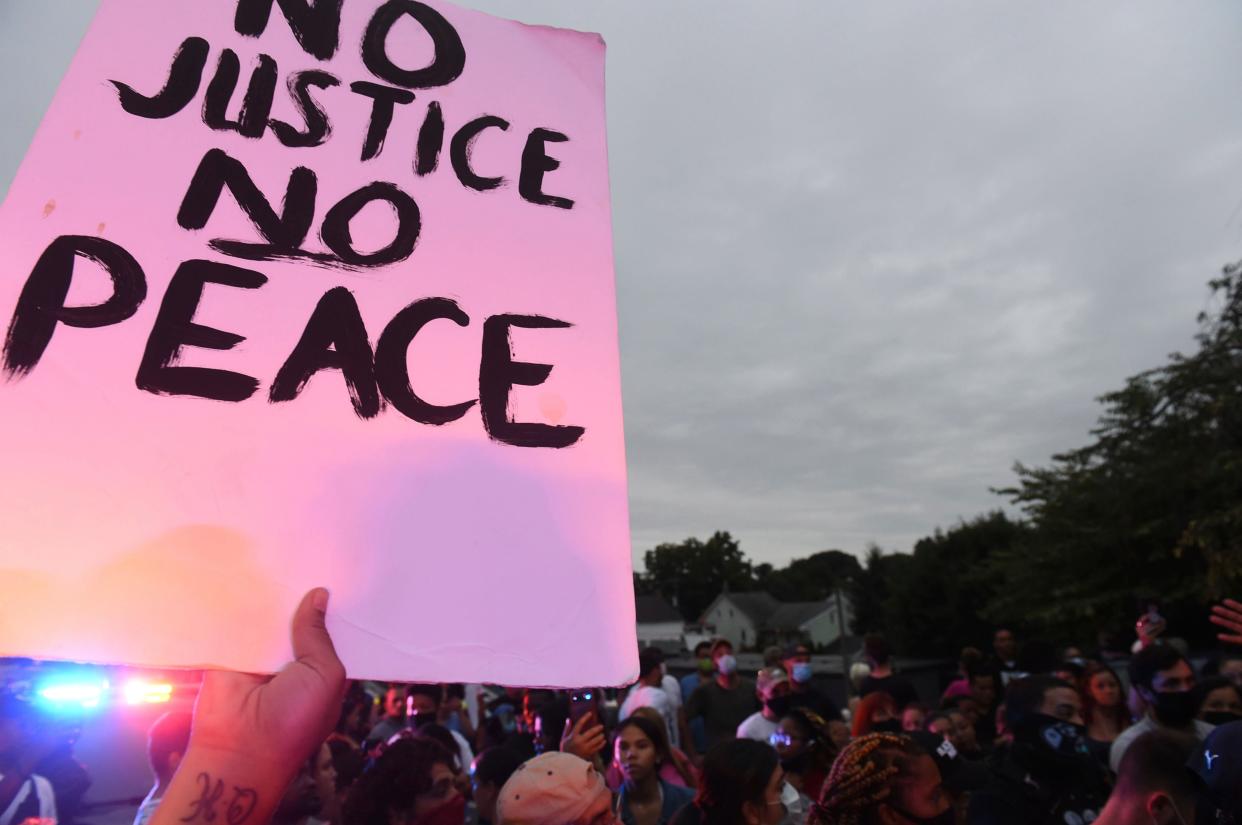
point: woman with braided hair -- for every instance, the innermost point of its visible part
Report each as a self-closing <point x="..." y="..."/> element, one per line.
<point x="882" y="779"/>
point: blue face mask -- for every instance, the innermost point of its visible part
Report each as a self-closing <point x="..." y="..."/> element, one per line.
<point x="727" y="665"/>
<point x="801" y="672"/>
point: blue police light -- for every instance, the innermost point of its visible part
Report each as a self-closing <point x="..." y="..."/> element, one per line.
<point x="71" y="692"/>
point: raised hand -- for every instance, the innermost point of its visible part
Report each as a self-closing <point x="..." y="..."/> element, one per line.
<point x="1228" y="614"/>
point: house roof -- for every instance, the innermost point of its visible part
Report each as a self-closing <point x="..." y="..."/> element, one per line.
<point x="767" y="613"/>
<point x="758" y="605"/>
<point x="791" y="615"/>
<point x="655" y="610"/>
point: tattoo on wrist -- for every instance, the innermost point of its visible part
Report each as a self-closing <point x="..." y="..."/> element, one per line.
<point x="240" y="806"/>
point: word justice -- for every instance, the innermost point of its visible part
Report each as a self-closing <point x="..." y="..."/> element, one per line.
<point x="317" y="31"/>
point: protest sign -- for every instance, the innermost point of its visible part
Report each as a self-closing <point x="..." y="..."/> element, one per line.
<point x="302" y="293"/>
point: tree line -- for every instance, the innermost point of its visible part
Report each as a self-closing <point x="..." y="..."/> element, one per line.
<point x="1148" y="511"/>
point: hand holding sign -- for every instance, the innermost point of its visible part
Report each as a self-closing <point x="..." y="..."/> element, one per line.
<point x="250" y="733"/>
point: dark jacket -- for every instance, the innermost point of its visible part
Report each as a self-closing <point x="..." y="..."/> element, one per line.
<point x="1018" y="793"/>
<point x="675" y="798"/>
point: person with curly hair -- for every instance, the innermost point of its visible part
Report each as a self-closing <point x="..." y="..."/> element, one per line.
<point x="742" y="784"/>
<point x="876" y="713"/>
<point x="882" y="779"/>
<point x="412" y="783"/>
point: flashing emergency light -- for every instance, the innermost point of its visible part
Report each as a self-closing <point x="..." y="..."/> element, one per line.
<point x="142" y="692"/>
<point x="78" y="690"/>
<point x="85" y="693"/>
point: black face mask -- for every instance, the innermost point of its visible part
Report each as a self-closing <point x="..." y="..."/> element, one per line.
<point x="797" y="764"/>
<point x="1176" y="710"/>
<point x="779" y="705"/>
<point x="887" y="726"/>
<point x="1053" y="749"/>
<point x="1052" y="734"/>
<point x="1220" y="717"/>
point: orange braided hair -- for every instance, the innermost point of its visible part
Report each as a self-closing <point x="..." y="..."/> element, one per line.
<point x="859" y="780"/>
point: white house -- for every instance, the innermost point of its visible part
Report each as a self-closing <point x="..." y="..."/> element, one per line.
<point x="740" y="617"/>
<point x="824" y="626"/>
<point x="756" y="619"/>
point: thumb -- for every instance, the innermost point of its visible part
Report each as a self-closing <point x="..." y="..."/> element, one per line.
<point x="311" y="643"/>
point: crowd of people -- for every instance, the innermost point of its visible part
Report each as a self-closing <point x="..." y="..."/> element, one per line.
<point x="1078" y="741"/>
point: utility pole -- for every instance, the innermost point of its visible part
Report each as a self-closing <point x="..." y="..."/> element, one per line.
<point x="845" y="661"/>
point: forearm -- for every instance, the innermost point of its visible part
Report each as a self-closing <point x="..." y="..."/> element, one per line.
<point x="213" y="788"/>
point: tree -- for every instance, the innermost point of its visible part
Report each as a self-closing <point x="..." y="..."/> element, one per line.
<point x="1152" y="506"/>
<point x="692" y="573"/>
<point x="869" y="591"/>
<point x="811" y="579"/>
<point x="933" y="604"/>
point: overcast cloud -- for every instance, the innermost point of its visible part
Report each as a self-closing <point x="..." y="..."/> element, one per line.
<point x="870" y="254"/>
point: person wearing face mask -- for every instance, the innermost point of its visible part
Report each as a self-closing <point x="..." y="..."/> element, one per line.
<point x="1047" y="774"/>
<point x="412" y="783"/>
<point x="1165" y="681"/>
<point x="1154" y="786"/>
<point x="960" y="777"/>
<point x="803" y="693"/>
<point x="1219" y="700"/>
<point x="883" y="779"/>
<point x="876" y="713"/>
<point x="773" y="692"/>
<point x="725" y="701"/>
<point x="702" y="674"/>
<point x="742" y="784"/>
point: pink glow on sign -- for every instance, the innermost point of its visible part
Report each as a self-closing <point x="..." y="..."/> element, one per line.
<point x="466" y="509"/>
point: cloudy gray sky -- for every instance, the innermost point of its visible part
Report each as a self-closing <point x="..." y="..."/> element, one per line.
<point x="870" y="254"/>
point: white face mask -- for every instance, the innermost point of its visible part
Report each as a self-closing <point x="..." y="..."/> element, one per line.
<point x="792" y="800"/>
<point x="727" y="665"/>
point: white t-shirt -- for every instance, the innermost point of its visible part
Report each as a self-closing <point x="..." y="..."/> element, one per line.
<point x="645" y="696"/>
<point x="464" y="750"/>
<point x="46" y="799"/>
<point x="673" y="688"/>
<point x="757" y="727"/>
